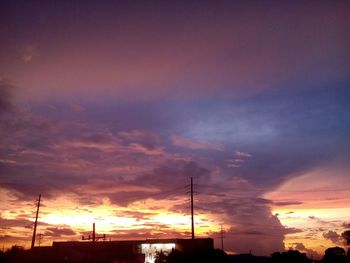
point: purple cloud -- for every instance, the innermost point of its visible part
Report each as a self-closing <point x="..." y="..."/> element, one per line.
<point x="242" y="99"/>
<point x="332" y="236"/>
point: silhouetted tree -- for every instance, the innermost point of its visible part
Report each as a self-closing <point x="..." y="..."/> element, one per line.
<point x="335" y="254"/>
<point x="346" y="236"/>
<point x="15" y="254"/>
<point x="291" y="256"/>
<point x="161" y="257"/>
<point x="2" y="256"/>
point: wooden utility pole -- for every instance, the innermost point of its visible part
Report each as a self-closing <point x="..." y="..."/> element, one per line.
<point x="36" y="222"/>
<point x="93" y="233"/>
<point x="192" y="217"/>
<point x="94" y="237"/>
<point x="222" y="239"/>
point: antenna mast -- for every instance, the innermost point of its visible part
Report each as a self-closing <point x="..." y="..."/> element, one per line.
<point x="36" y="221"/>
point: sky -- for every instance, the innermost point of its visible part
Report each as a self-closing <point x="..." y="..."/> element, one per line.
<point x="108" y="109"/>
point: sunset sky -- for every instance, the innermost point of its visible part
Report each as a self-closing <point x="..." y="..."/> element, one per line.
<point x="107" y="108"/>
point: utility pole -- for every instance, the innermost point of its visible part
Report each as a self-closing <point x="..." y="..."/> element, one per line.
<point x="36" y="222"/>
<point x="93" y="233"/>
<point x="222" y="239"/>
<point x="192" y="218"/>
<point x="94" y="238"/>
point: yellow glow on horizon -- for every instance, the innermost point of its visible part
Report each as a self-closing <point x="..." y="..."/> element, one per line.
<point x="64" y="212"/>
<point x="315" y="203"/>
<point x="151" y="217"/>
<point x="305" y="213"/>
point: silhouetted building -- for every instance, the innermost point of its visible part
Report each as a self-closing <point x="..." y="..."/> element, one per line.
<point x="126" y="251"/>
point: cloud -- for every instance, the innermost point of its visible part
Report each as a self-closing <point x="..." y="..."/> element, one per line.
<point x="238" y="161"/>
<point x="57" y="232"/>
<point x="159" y="232"/>
<point x="103" y="155"/>
<point x="181" y="141"/>
<point x="287" y="203"/>
<point x="146" y="139"/>
<point x="77" y="108"/>
<point x="262" y="237"/>
<point x="253" y="225"/>
<point x="346" y="225"/>
<point x="332" y="236"/>
<point x="310" y="252"/>
<point x="167" y="181"/>
<point x="253" y="60"/>
<point x="28" y="52"/>
<point x="224" y="91"/>
<point x="234" y="163"/>
<point x="18" y="222"/>
<point x="242" y="154"/>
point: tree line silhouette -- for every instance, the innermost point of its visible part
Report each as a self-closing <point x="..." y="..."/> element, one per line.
<point x="17" y="254"/>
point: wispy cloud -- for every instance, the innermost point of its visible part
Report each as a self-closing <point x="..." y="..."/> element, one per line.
<point x="28" y="52"/>
<point x="242" y="154"/>
<point x="184" y="142"/>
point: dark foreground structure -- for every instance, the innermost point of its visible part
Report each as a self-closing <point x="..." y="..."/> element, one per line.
<point x="130" y="251"/>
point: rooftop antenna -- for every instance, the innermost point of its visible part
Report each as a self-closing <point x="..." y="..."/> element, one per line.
<point x="36" y="221"/>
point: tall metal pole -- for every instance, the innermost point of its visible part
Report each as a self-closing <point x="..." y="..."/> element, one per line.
<point x="93" y="233"/>
<point x="36" y="222"/>
<point x="222" y="239"/>
<point x="192" y="218"/>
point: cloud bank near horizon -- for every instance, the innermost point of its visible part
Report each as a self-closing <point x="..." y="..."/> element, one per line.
<point x="119" y="105"/>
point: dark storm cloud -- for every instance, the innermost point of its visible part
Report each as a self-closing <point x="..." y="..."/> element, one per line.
<point x="58" y="232"/>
